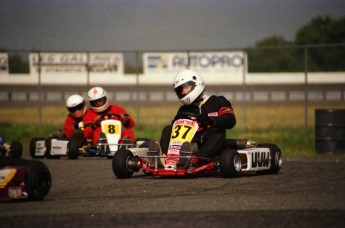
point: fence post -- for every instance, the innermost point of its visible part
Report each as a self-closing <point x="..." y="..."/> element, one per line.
<point x="39" y="90"/>
<point x="137" y="83"/>
<point x="245" y="70"/>
<point x="305" y="87"/>
<point x="87" y="69"/>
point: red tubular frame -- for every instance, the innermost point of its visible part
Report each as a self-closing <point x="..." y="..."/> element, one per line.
<point x="161" y="171"/>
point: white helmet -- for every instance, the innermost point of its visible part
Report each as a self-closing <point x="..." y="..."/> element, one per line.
<point x="98" y="99"/>
<point x="189" y="86"/>
<point x="75" y="102"/>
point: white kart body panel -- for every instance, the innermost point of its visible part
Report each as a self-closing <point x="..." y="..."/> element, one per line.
<point x="255" y="159"/>
<point x="58" y="147"/>
<point x="112" y="130"/>
<point x="40" y="147"/>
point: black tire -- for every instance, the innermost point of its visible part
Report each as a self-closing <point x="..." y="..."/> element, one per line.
<point x="276" y="158"/>
<point x="121" y="163"/>
<point x="230" y="163"/>
<point x="38" y="180"/>
<point x="16" y="149"/>
<point x="48" y="149"/>
<point x="73" y="148"/>
<point x="33" y="147"/>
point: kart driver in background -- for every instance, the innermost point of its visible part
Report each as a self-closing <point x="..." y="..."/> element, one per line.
<point x="99" y="105"/>
<point x="214" y="115"/>
<point x="76" y="107"/>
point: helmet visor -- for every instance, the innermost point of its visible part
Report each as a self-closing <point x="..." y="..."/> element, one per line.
<point x="99" y="102"/>
<point x="76" y="108"/>
<point x="184" y="89"/>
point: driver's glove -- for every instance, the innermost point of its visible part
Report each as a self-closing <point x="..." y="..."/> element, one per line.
<point x="125" y="120"/>
<point x="206" y="121"/>
<point x="97" y="122"/>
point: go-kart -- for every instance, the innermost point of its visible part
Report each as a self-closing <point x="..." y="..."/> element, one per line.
<point x="23" y="179"/>
<point x="77" y="145"/>
<point x="51" y="147"/>
<point x="14" y="150"/>
<point x="239" y="155"/>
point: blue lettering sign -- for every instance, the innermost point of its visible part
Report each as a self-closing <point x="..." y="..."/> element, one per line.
<point x="157" y="61"/>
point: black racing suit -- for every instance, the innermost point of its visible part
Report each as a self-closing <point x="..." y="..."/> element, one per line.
<point x="211" y="141"/>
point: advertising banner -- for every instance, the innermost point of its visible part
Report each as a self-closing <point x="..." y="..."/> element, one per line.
<point x="199" y="61"/>
<point x="3" y="63"/>
<point x="77" y="63"/>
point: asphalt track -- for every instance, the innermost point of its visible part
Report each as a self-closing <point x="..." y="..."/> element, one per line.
<point x="85" y="193"/>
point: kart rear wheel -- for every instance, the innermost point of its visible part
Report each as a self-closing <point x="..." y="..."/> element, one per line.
<point x="38" y="180"/>
<point x="16" y="149"/>
<point x="230" y="163"/>
<point x="73" y="148"/>
<point x="276" y="158"/>
<point x="123" y="166"/>
<point x="33" y="145"/>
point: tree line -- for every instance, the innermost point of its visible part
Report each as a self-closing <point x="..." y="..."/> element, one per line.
<point x="318" y="46"/>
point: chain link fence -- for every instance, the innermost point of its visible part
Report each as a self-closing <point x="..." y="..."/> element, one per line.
<point x="315" y="79"/>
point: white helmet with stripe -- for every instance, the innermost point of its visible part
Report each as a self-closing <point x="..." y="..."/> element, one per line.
<point x="189" y="86"/>
<point x="98" y="99"/>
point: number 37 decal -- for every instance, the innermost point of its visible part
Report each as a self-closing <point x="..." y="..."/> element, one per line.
<point x="183" y="132"/>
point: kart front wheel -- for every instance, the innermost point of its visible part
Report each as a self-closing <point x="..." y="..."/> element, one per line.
<point x="16" y="149"/>
<point x="123" y="164"/>
<point x="230" y="163"/>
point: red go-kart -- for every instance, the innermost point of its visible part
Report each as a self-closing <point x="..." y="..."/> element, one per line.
<point x="239" y="155"/>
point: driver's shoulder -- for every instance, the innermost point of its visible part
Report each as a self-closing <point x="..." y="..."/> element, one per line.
<point x="116" y="109"/>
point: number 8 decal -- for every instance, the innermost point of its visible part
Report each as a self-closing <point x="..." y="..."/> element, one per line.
<point x="111" y="129"/>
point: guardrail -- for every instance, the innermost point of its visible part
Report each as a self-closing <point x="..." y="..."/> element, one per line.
<point x="325" y="93"/>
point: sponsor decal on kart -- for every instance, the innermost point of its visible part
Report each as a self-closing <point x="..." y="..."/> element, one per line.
<point x="40" y="148"/>
<point x="183" y="130"/>
<point x="17" y="192"/>
<point x="258" y="158"/>
<point x="58" y="147"/>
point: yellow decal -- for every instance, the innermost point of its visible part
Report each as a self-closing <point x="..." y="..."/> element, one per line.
<point x="6" y="176"/>
<point x="183" y="132"/>
<point x="112" y="129"/>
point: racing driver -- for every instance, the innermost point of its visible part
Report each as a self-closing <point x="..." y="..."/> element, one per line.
<point x="214" y="114"/>
<point x="99" y="106"/>
<point x="76" y="107"/>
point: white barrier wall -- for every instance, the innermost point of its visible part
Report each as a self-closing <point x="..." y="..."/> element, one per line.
<point x="296" y="78"/>
<point x="166" y="79"/>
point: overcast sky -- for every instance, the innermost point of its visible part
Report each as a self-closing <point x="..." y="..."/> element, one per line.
<point x="119" y="25"/>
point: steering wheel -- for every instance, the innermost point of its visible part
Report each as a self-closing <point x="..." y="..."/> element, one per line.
<point x="186" y="115"/>
<point x="102" y="117"/>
